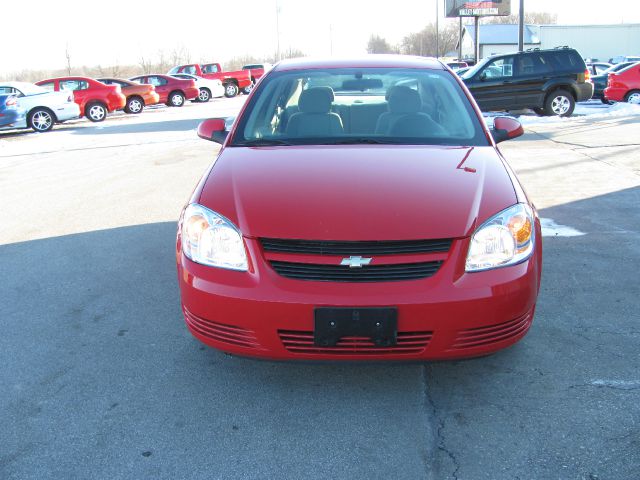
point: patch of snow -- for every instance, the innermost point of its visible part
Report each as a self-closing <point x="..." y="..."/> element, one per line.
<point x="551" y="229"/>
<point x="594" y="109"/>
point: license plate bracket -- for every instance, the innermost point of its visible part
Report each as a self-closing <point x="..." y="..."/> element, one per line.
<point x="380" y="324"/>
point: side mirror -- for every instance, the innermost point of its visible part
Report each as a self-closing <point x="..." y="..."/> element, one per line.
<point x="213" y="129"/>
<point x="506" y="128"/>
<point x="483" y="76"/>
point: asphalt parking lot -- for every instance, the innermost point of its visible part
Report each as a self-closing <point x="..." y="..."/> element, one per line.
<point x="101" y="380"/>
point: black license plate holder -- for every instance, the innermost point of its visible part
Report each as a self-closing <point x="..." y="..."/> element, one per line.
<point x="380" y="324"/>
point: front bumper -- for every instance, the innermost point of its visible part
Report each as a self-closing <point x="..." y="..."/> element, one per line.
<point x="449" y="315"/>
<point x="12" y="118"/>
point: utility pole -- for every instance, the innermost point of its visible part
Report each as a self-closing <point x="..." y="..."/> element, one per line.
<point x="437" y="31"/>
<point x="278" y="31"/>
<point x="460" y="39"/>
<point x="476" y="40"/>
<point x="521" y="28"/>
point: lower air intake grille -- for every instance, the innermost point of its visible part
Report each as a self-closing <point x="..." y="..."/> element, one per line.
<point x="220" y="332"/>
<point x="302" y="342"/>
<point x="479" y="337"/>
<point x="367" y="273"/>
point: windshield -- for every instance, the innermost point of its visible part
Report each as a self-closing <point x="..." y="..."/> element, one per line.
<point x="364" y="105"/>
<point x="476" y="68"/>
<point x="623" y="67"/>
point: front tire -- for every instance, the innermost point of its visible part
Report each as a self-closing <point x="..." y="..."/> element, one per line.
<point x="134" y="105"/>
<point x="204" y="95"/>
<point x="633" y="97"/>
<point x="96" y="111"/>
<point x="176" y="99"/>
<point x="41" y="120"/>
<point x="559" y="103"/>
<point x="247" y="90"/>
<point x="231" y="90"/>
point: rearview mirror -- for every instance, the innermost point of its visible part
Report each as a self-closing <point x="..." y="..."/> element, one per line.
<point x="506" y="128"/>
<point x="213" y="129"/>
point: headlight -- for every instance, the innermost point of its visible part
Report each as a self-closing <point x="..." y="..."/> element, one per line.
<point x="211" y="239"/>
<point x="505" y="239"/>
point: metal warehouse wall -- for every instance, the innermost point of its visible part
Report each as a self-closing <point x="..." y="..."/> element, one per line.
<point x="594" y="41"/>
<point x="489" y="49"/>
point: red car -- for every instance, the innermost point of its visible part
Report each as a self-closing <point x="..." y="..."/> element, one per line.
<point x="94" y="98"/>
<point x="172" y="91"/>
<point x="138" y="96"/>
<point x="624" y="85"/>
<point x="359" y="210"/>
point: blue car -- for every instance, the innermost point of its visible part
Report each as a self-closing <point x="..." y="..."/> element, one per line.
<point x="10" y="110"/>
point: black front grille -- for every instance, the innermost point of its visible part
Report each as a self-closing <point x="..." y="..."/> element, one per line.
<point x="367" y="273"/>
<point x="392" y="247"/>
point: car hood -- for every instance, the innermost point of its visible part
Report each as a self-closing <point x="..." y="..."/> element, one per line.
<point x="358" y="192"/>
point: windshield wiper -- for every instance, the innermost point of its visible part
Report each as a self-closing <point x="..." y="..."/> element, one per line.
<point x="262" y="142"/>
<point x="361" y="141"/>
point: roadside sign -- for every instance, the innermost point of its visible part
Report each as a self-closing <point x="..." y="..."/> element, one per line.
<point x="464" y="8"/>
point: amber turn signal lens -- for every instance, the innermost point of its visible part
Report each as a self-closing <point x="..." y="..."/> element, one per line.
<point x="521" y="228"/>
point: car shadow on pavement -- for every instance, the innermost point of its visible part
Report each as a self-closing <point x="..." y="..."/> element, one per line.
<point x="101" y="377"/>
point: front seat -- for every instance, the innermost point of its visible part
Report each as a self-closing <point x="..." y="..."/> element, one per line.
<point x="404" y="117"/>
<point x="314" y="118"/>
<point x="402" y="100"/>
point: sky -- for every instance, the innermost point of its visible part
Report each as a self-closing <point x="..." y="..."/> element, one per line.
<point x="100" y="32"/>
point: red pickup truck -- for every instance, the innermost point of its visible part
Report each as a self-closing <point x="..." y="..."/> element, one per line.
<point x="233" y="82"/>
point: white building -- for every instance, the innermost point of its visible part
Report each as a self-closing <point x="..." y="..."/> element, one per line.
<point x="592" y="41"/>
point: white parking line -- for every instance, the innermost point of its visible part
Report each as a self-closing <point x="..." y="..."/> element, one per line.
<point x="551" y="229"/>
<point x="621" y="384"/>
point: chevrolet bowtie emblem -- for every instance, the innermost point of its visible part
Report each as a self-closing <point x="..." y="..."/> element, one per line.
<point x="355" y="262"/>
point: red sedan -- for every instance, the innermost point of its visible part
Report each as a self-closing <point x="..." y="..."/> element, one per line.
<point x="138" y="96"/>
<point x="94" y="98"/>
<point x="359" y="210"/>
<point x="172" y="91"/>
<point x="624" y="85"/>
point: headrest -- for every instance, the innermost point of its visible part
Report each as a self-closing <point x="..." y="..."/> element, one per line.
<point x="316" y="100"/>
<point x="403" y="99"/>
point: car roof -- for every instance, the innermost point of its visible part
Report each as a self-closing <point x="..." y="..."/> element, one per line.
<point x="365" y="61"/>
<point x="24" y="86"/>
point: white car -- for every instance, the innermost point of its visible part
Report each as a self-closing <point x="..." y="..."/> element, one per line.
<point x="209" y="88"/>
<point x="44" y="108"/>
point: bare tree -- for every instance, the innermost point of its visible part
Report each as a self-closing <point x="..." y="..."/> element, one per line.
<point x="378" y="44"/>
<point x="535" y="18"/>
<point x="163" y="62"/>
<point x="237" y="63"/>
<point x="114" y="70"/>
<point x="67" y="54"/>
<point x="424" y="42"/>
<point x="145" y="64"/>
<point x="288" y="53"/>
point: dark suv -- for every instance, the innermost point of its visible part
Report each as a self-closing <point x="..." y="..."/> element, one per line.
<point x="548" y="81"/>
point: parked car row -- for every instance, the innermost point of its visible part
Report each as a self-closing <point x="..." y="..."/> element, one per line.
<point x="42" y="107"/>
<point x="39" y="106"/>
